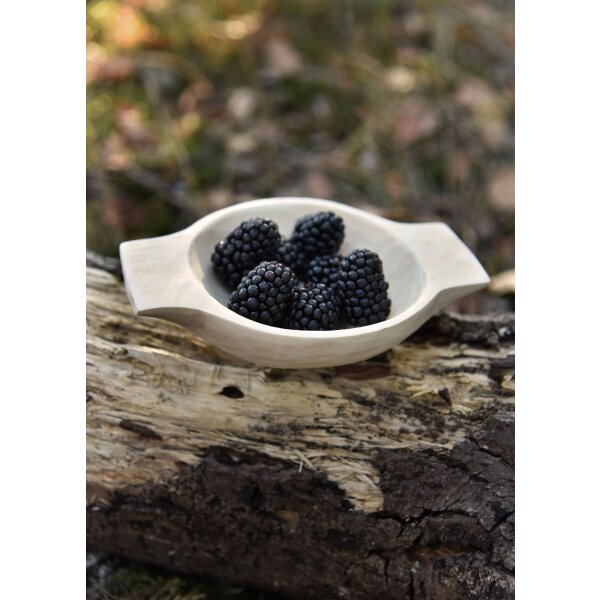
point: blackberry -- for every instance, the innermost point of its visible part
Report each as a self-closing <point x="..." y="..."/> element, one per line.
<point x="264" y="293"/>
<point x="301" y="286"/>
<point x="247" y="245"/>
<point x="321" y="233"/>
<point x="290" y="253"/>
<point x="325" y="269"/>
<point x="363" y="288"/>
<point x="314" y="309"/>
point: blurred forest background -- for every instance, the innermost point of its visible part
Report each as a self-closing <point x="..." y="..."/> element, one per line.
<point x="404" y="108"/>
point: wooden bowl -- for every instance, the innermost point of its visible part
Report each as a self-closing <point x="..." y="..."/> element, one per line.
<point x="171" y="277"/>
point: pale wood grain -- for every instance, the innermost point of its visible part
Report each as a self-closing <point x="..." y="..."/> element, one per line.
<point x="171" y="381"/>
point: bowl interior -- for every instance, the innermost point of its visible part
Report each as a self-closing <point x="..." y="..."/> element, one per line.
<point x="400" y="266"/>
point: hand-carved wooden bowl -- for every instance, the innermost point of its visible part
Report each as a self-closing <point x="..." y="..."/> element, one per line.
<point x="171" y="277"/>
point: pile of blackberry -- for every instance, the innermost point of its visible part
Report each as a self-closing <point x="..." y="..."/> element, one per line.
<point x="301" y="282"/>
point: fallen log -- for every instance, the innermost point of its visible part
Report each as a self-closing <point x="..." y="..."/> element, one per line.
<point x="391" y="478"/>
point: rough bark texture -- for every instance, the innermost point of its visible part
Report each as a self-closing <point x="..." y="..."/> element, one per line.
<point x="392" y="478"/>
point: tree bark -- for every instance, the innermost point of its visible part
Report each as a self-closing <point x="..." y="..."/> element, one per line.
<point x="391" y="478"/>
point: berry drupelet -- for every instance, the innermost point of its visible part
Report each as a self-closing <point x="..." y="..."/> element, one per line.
<point x="290" y="253"/>
<point x="247" y="245"/>
<point x="264" y="293"/>
<point x="325" y="269"/>
<point x="318" y="234"/>
<point x="363" y="288"/>
<point x="314" y="308"/>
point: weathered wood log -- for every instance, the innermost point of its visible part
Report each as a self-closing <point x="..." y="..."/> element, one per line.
<point x="392" y="478"/>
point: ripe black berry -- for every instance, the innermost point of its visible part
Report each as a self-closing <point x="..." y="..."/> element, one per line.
<point x="314" y="308"/>
<point x="247" y="245"/>
<point x="321" y="233"/>
<point x="264" y="293"/>
<point x="363" y="288"/>
<point x="290" y="253"/>
<point x="325" y="269"/>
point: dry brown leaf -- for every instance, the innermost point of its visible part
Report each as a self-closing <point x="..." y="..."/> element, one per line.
<point x="318" y="185"/>
<point x="218" y="197"/>
<point x="269" y="132"/>
<point x="415" y="23"/>
<point x="193" y="94"/>
<point x="114" y="153"/>
<point x="129" y="29"/>
<point x="395" y="185"/>
<point x="111" y="70"/>
<point x="131" y="125"/>
<point x="238" y="27"/>
<point x="122" y="213"/>
<point x="501" y="190"/>
<point x="415" y="122"/>
<point x="476" y="95"/>
<point x="241" y="143"/>
<point x="460" y="166"/>
<point x="487" y="107"/>
<point x="282" y="58"/>
<point x="242" y="103"/>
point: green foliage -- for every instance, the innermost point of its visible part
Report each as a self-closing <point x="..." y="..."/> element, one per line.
<point x="116" y="579"/>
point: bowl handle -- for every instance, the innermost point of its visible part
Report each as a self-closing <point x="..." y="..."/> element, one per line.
<point x="451" y="269"/>
<point x="159" y="279"/>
